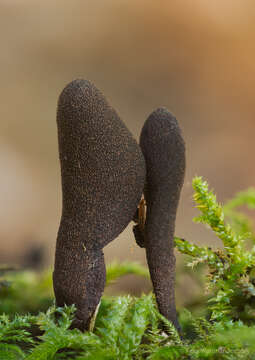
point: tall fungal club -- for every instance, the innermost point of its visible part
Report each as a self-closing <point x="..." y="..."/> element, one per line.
<point x="103" y="175"/>
<point x="164" y="151"/>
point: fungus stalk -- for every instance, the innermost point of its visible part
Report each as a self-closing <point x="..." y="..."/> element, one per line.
<point x="103" y="176"/>
<point x="164" y="151"/>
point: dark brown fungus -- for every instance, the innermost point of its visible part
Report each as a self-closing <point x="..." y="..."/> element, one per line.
<point x="164" y="151"/>
<point x="103" y="176"/>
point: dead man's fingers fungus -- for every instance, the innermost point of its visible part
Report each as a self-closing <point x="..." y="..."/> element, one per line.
<point x="103" y="176"/>
<point x="164" y="152"/>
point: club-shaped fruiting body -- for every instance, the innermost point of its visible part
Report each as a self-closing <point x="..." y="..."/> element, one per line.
<point x="103" y="176"/>
<point x="164" y="152"/>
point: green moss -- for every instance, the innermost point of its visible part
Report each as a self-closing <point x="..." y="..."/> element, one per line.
<point x="132" y="328"/>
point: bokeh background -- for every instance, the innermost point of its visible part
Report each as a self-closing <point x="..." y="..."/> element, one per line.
<point x="195" y="57"/>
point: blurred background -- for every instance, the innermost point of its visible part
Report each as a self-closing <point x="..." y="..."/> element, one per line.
<point x="195" y="57"/>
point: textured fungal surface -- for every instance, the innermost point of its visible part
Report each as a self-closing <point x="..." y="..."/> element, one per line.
<point x="103" y="175"/>
<point x="164" y="151"/>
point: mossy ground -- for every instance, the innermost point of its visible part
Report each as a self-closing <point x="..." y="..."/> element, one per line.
<point x="31" y="327"/>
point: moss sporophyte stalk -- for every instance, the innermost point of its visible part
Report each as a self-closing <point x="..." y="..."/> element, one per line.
<point x="104" y="174"/>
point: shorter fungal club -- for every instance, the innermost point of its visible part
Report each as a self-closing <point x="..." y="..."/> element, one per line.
<point x="108" y="180"/>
